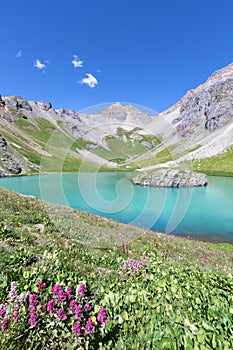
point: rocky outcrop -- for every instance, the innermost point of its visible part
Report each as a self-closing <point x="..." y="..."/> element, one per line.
<point x="45" y="106"/>
<point x="17" y="102"/>
<point x="8" y="165"/>
<point x="2" y="103"/>
<point x="68" y="114"/>
<point x="210" y="105"/>
<point x="171" y="178"/>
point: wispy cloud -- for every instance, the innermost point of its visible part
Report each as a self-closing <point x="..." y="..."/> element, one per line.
<point x="38" y="64"/>
<point x="90" y="80"/>
<point x="77" y="62"/>
<point x="18" y="54"/>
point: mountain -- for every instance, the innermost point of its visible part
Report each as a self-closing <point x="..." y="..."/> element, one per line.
<point x="198" y="129"/>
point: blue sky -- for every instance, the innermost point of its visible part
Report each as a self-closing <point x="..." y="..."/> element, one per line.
<point x="144" y="52"/>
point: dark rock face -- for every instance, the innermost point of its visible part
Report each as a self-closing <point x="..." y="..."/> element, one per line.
<point x="2" y="103"/>
<point x="210" y="105"/>
<point x="68" y="113"/>
<point x="17" y="102"/>
<point x="8" y="164"/>
<point x="171" y="178"/>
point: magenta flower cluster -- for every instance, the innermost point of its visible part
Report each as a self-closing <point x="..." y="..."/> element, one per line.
<point x="33" y="319"/>
<point x="131" y="267"/>
<point x="64" y="306"/>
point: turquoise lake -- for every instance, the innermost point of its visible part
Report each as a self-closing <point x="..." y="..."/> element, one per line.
<point x="202" y="212"/>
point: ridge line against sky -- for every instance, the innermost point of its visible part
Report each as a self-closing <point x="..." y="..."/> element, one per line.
<point x="79" y="54"/>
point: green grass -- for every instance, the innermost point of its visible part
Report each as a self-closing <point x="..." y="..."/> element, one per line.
<point x="162" y="157"/>
<point x="181" y="298"/>
<point x="40" y="135"/>
<point x="219" y="165"/>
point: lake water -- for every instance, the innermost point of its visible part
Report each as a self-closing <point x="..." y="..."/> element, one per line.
<point x="202" y="212"/>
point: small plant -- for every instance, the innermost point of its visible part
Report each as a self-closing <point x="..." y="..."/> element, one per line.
<point x="51" y="318"/>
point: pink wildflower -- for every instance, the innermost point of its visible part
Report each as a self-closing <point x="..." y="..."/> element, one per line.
<point x="101" y="317"/>
<point x="77" y="329"/>
<point x="61" y="315"/>
<point x="90" y="326"/>
<point x="82" y="290"/>
<point x="2" y="310"/>
<point x="5" y="324"/>
<point x="50" y="306"/>
<point x="41" y="286"/>
<point x="15" y="315"/>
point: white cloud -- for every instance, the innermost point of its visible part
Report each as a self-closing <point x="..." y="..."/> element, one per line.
<point x="76" y="62"/>
<point x="38" y="64"/>
<point x="90" y="80"/>
<point x="18" y="54"/>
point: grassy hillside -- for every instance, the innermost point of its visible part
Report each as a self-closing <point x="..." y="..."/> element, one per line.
<point x="41" y="146"/>
<point x="155" y="291"/>
<point x="221" y="164"/>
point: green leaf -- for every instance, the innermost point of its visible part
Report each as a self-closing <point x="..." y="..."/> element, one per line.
<point x="124" y="315"/>
<point x="206" y="326"/>
<point x="214" y="343"/>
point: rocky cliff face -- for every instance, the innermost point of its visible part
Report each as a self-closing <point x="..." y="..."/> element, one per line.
<point x="8" y="163"/>
<point x="210" y="105"/>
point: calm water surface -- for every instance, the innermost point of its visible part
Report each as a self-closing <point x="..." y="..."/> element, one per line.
<point x="203" y="212"/>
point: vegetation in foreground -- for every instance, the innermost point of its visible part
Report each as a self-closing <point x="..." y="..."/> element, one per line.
<point x="70" y="280"/>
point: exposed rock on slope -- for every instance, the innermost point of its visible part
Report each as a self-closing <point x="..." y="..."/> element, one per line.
<point x="171" y="178"/>
<point x="8" y="164"/>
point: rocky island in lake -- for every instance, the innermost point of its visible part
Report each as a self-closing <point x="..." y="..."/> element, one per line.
<point x="171" y="178"/>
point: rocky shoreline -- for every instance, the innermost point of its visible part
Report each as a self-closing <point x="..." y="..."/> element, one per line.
<point x="171" y="178"/>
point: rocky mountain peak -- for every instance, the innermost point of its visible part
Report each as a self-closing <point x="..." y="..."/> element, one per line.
<point x="222" y="74"/>
<point x="209" y="106"/>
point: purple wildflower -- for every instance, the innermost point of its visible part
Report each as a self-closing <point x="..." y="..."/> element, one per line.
<point x="32" y="307"/>
<point x="33" y="317"/>
<point x="21" y="299"/>
<point x="69" y="293"/>
<point x="82" y="290"/>
<point x="87" y="307"/>
<point x="77" y="329"/>
<point x="90" y="326"/>
<point x="56" y="289"/>
<point x="50" y="306"/>
<point x="15" y="315"/>
<point x="78" y="313"/>
<point x="73" y="305"/>
<point x="41" y="286"/>
<point x="2" y="310"/>
<point x="62" y="296"/>
<point x="61" y="315"/>
<point x="33" y="300"/>
<point x="101" y="317"/>
<point x="13" y="291"/>
<point x="5" y="324"/>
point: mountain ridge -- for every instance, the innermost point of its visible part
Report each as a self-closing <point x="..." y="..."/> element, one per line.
<point x="198" y="126"/>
